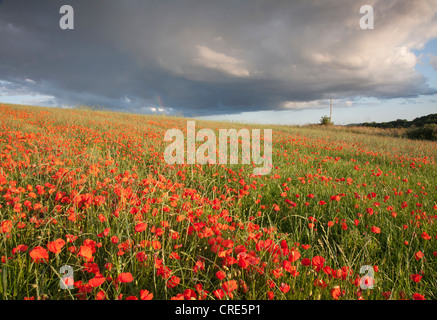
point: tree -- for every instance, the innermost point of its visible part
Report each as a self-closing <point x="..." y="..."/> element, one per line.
<point x="326" y="121"/>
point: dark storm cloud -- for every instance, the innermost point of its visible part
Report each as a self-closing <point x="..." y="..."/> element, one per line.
<point x="213" y="57"/>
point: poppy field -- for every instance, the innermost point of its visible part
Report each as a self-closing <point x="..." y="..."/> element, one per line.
<point x="89" y="210"/>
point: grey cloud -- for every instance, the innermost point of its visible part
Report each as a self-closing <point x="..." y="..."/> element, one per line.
<point x="214" y="57"/>
<point x="433" y="61"/>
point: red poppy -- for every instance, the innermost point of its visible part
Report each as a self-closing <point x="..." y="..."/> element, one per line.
<point x="327" y="270"/>
<point x="220" y="275"/>
<point x="98" y="280"/>
<point x="39" y="254"/>
<point x="230" y="286"/>
<point x="141" y="256"/>
<point x="125" y="277"/>
<point x="320" y="283"/>
<point x="19" y="248"/>
<point x="56" y="246"/>
<point x="101" y="295"/>
<point x="86" y="252"/>
<point x="335" y="292"/>
<point x="318" y="262"/>
<point x="284" y="287"/>
<point x="71" y="237"/>
<point x="425" y="236"/>
<point x="174" y="255"/>
<point x="190" y="294"/>
<point x="386" y="294"/>
<point x="173" y="282"/>
<point x="156" y="245"/>
<point x="6" y="226"/>
<point x="419" y="255"/>
<point x="140" y="227"/>
<point x="293" y="256"/>
<point x="375" y="230"/>
<point x="306" y="262"/>
<point x="219" y="293"/>
<point x="146" y="295"/>
<point x="417" y="296"/>
<point x="416" y="277"/>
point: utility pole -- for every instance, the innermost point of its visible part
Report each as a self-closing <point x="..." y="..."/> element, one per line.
<point x="330" y="113"/>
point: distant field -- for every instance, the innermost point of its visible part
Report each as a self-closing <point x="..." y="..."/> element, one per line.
<point x="91" y="190"/>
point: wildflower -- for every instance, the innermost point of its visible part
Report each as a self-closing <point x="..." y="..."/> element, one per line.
<point x="173" y="281"/>
<point x="56" y="246"/>
<point x="419" y="255"/>
<point x="220" y="275"/>
<point x="146" y="295"/>
<point x="284" y="287"/>
<point x="425" y="236"/>
<point x="375" y="230"/>
<point x="125" y="277"/>
<point x="417" y="296"/>
<point x="140" y="227"/>
<point x="39" y="254"/>
<point x="97" y="281"/>
<point x="86" y="252"/>
<point x="416" y="277"/>
<point x="229" y="286"/>
<point x="336" y="292"/>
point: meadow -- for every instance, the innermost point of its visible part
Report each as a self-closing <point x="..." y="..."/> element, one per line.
<point x="89" y="189"/>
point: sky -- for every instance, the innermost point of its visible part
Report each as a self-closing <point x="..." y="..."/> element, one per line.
<point x="259" y="61"/>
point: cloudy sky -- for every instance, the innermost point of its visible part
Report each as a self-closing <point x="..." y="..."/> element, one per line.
<point x="261" y="61"/>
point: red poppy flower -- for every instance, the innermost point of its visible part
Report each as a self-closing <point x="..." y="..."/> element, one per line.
<point x="190" y="294"/>
<point x="174" y="255"/>
<point x="293" y="256"/>
<point x="141" y="256"/>
<point x="306" y="262"/>
<point x="419" y="255"/>
<point x="86" y="252"/>
<point x="19" y="248"/>
<point x="125" y="277"/>
<point x="375" y="230"/>
<point x="220" y="275"/>
<point x="335" y="292"/>
<point x="318" y="262"/>
<point x="140" y="227"/>
<point x="6" y="226"/>
<point x="173" y="282"/>
<point x="230" y="286"/>
<point x="98" y="280"/>
<point x="219" y="293"/>
<point x="327" y="270"/>
<point x="425" y="236"/>
<point x="156" y="245"/>
<point x="56" y="246"/>
<point x="417" y="296"/>
<point x="386" y="294"/>
<point x="146" y="295"/>
<point x="71" y="237"/>
<point x="39" y="254"/>
<point x="284" y="287"/>
<point x="416" y="277"/>
<point x="101" y="295"/>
